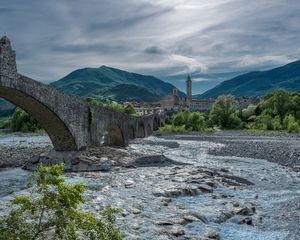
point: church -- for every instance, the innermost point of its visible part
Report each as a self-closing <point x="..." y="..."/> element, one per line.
<point x="176" y="102"/>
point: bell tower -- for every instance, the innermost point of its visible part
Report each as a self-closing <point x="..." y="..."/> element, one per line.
<point x="188" y="90"/>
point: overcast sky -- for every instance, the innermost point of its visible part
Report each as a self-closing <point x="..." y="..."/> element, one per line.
<point x="210" y="39"/>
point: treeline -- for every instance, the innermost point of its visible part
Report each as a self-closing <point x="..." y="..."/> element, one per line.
<point x="279" y="110"/>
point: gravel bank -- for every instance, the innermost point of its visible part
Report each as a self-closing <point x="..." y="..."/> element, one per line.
<point x="281" y="148"/>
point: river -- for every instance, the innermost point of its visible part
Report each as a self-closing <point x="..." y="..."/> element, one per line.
<point x="150" y="213"/>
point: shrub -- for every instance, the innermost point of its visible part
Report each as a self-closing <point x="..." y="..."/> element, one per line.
<point x="172" y="128"/>
<point x="51" y="212"/>
<point x="262" y="122"/>
<point x="223" y="113"/>
<point x="276" y="123"/>
<point x="23" y="122"/>
<point x="186" y="121"/>
<point x="290" y="123"/>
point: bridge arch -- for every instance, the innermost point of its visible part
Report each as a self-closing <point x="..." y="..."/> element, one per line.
<point x="58" y="132"/>
<point x="156" y="123"/>
<point x="131" y="132"/>
<point x="141" y="131"/>
<point x="114" y="136"/>
<point x="149" y="130"/>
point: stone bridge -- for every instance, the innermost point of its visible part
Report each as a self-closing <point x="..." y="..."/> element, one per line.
<point x="71" y="123"/>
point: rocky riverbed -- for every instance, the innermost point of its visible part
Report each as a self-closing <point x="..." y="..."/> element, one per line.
<point x="282" y="148"/>
<point x="173" y="188"/>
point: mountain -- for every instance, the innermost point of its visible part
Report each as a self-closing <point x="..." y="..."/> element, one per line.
<point x="115" y="84"/>
<point x="259" y="83"/>
<point x="108" y="83"/>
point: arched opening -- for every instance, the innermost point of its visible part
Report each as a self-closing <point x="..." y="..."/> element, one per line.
<point x="131" y="132"/>
<point x="156" y="123"/>
<point x="141" y="130"/>
<point x="149" y="130"/>
<point x="58" y="132"/>
<point x="114" y="136"/>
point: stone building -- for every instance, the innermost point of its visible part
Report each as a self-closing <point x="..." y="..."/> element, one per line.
<point x="175" y="102"/>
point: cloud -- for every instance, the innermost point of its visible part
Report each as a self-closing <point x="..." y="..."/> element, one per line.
<point x="166" y="38"/>
<point x="154" y="50"/>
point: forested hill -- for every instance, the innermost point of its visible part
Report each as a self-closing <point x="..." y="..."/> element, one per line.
<point x="115" y="84"/>
<point x="259" y="83"/>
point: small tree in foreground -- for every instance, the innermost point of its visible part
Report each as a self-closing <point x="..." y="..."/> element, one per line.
<point x="51" y="212"/>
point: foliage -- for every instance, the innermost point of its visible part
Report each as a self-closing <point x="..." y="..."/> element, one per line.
<point x="51" y="212"/>
<point x="4" y="122"/>
<point x="224" y="113"/>
<point x="277" y="103"/>
<point x="248" y="113"/>
<point x="23" y="122"/>
<point x="290" y="123"/>
<point x="186" y="121"/>
<point x="129" y="109"/>
<point x="278" y="110"/>
<point x="173" y="128"/>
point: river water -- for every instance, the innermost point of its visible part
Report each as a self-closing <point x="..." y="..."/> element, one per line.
<point x="275" y="194"/>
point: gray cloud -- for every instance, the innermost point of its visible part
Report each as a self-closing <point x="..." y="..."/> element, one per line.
<point x="165" y="38"/>
<point x="154" y="50"/>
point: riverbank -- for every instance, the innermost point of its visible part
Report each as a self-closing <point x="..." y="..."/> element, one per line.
<point x="278" y="147"/>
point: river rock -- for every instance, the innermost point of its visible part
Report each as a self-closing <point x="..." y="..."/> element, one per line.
<point x="155" y="161"/>
<point x="211" y="234"/>
<point x="204" y="187"/>
<point x="177" y="231"/>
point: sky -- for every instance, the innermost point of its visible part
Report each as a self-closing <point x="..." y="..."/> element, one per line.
<point x="212" y="40"/>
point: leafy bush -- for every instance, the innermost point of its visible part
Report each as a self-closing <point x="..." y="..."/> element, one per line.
<point x="173" y="128"/>
<point x="276" y="123"/>
<point x="187" y="121"/>
<point x="224" y="114"/>
<point x="129" y="109"/>
<point x="51" y="212"/>
<point x="291" y="124"/>
<point x="23" y="122"/>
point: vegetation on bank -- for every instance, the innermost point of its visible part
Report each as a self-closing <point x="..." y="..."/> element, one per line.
<point x="129" y="109"/>
<point x="185" y="121"/>
<point x="21" y="121"/>
<point x="51" y="211"/>
<point x="279" y="111"/>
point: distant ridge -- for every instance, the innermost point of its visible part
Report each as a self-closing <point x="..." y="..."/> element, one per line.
<point x="259" y="83"/>
<point x="114" y="84"/>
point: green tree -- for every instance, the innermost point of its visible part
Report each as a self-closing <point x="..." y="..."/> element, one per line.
<point x="224" y="113"/>
<point x="196" y="121"/>
<point x="186" y="121"/>
<point x="248" y="113"/>
<point x="23" y="122"/>
<point x="51" y="212"/>
<point x="278" y="102"/>
<point x="291" y="124"/>
<point x="129" y="109"/>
